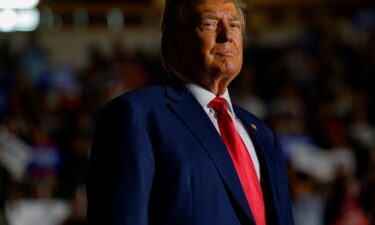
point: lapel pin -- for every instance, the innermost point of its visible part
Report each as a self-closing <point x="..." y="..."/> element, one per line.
<point x="253" y="126"/>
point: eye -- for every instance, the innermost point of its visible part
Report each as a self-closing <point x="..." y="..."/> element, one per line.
<point x="235" y="26"/>
<point x="210" y="26"/>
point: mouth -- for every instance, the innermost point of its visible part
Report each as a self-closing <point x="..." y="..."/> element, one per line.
<point x="225" y="53"/>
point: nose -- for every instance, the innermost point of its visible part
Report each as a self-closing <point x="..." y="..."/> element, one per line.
<point x="224" y="33"/>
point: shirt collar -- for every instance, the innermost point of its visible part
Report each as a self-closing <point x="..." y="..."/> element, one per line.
<point x="204" y="96"/>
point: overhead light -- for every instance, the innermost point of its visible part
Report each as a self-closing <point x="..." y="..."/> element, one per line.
<point x="80" y="18"/>
<point x="8" y="20"/>
<point x="115" y="19"/>
<point x="28" y="20"/>
<point x="18" y="4"/>
<point x="19" y="20"/>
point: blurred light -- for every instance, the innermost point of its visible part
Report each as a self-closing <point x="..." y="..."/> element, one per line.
<point x="8" y="20"/>
<point x="19" y="20"/>
<point x="57" y="22"/>
<point x="28" y="20"/>
<point x="80" y="18"/>
<point x="18" y="4"/>
<point x="115" y="20"/>
<point x="46" y="18"/>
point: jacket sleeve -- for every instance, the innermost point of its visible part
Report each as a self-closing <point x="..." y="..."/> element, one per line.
<point x="121" y="167"/>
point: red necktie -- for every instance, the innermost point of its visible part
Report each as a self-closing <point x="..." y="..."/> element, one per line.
<point x="241" y="159"/>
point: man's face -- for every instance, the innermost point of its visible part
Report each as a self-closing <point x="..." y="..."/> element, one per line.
<point x="215" y="45"/>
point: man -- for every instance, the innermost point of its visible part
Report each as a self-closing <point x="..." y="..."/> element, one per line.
<point x="181" y="153"/>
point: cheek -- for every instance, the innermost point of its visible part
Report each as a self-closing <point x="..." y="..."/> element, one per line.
<point x="239" y="47"/>
<point x="207" y="44"/>
<point x="239" y="43"/>
<point x="241" y="55"/>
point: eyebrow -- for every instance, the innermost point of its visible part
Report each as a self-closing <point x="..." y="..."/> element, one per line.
<point x="214" y="16"/>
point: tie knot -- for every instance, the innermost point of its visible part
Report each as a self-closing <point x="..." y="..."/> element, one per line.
<point x="218" y="104"/>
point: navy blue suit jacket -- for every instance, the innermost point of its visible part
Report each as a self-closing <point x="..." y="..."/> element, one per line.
<point x="157" y="159"/>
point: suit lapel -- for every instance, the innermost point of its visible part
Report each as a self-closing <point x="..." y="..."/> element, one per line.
<point x="264" y="151"/>
<point x="196" y="120"/>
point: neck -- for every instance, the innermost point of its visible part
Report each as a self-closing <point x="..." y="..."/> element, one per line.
<point x="215" y="84"/>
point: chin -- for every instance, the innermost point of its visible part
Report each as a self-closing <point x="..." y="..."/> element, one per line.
<point x="219" y="74"/>
<point x="229" y="69"/>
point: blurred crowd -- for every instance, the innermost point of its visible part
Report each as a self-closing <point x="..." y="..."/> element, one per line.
<point x="317" y="93"/>
<point x="47" y="119"/>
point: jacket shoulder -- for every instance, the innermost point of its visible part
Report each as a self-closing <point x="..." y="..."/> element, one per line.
<point x="260" y="124"/>
<point x="141" y="98"/>
<point x="149" y="94"/>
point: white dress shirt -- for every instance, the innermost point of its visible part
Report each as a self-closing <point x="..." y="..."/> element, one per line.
<point x="204" y="97"/>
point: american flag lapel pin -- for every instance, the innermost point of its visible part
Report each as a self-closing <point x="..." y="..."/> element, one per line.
<point x="254" y="126"/>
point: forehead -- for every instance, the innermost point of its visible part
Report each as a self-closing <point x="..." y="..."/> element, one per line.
<point x="217" y="8"/>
